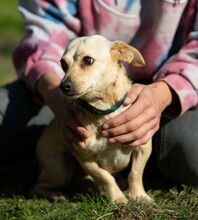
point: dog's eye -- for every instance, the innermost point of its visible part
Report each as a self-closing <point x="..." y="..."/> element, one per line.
<point x="88" y="60"/>
<point x="64" y="65"/>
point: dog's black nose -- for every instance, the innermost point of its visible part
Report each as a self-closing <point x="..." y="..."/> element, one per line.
<point x="65" y="86"/>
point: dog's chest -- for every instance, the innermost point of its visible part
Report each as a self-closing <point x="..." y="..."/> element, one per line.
<point x="112" y="157"/>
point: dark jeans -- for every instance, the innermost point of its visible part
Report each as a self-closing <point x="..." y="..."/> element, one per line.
<point x="175" y="145"/>
<point x="22" y="120"/>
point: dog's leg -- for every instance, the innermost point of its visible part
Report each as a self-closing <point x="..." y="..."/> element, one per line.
<point x="52" y="176"/>
<point x="139" y="159"/>
<point x="55" y="165"/>
<point x="105" y="179"/>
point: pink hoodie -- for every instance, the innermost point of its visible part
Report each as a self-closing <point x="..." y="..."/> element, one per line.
<point x="165" y="32"/>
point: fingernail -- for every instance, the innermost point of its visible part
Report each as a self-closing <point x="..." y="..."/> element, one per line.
<point x="81" y="144"/>
<point x="105" y="126"/>
<point x="112" y="140"/>
<point x="127" y="101"/>
<point x="105" y="133"/>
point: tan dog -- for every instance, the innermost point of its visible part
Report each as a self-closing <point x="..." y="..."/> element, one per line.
<point x="96" y="81"/>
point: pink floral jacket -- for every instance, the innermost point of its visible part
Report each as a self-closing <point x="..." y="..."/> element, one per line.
<point x="165" y="31"/>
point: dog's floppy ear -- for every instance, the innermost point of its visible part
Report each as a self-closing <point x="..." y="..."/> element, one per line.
<point x="123" y="52"/>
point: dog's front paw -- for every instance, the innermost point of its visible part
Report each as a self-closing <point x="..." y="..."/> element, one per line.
<point x="141" y="197"/>
<point x="121" y="201"/>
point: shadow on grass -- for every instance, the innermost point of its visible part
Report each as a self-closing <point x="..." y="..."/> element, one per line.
<point x="18" y="178"/>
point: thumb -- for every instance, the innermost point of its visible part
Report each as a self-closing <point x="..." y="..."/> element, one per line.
<point x="133" y="94"/>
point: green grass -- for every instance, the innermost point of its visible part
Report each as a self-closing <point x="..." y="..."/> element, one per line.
<point x="171" y="202"/>
<point x="11" y="31"/>
<point x="16" y="180"/>
<point x="170" y="205"/>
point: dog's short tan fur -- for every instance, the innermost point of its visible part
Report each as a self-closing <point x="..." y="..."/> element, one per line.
<point x="101" y="83"/>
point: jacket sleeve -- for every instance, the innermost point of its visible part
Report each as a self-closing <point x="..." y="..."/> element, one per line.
<point x="180" y="71"/>
<point x="50" y="25"/>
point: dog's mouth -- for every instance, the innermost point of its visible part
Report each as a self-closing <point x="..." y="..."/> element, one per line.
<point x="74" y="95"/>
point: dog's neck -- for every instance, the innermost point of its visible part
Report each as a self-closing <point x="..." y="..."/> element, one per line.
<point x="109" y="99"/>
<point x="90" y="108"/>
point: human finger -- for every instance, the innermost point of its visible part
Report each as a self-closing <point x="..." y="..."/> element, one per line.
<point x="133" y="93"/>
<point x="70" y="121"/>
<point x="137" y="137"/>
<point x="129" y="114"/>
<point x="132" y="125"/>
<point x="142" y="141"/>
<point x="70" y="136"/>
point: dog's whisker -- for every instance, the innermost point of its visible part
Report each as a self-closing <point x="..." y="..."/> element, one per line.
<point x="71" y="101"/>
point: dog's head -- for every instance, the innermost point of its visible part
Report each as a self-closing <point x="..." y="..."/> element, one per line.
<point x="91" y="64"/>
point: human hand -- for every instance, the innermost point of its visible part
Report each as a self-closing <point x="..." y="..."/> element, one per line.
<point x="136" y="125"/>
<point x="72" y="130"/>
